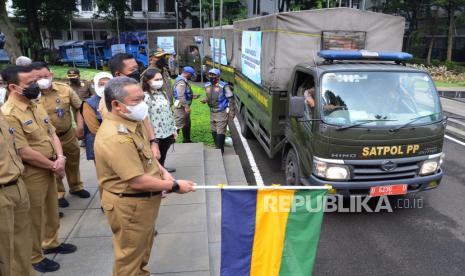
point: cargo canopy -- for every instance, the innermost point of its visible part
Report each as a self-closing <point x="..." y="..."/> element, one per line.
<point x="288" y="39"/>
<point x="226" y="33"/>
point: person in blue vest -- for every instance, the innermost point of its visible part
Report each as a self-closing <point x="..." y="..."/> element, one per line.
<point x="182" y="102"/>
<point x="220" y="99"/>
<point x="91" y="113"/>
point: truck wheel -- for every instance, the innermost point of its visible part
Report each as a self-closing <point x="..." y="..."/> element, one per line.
<point x="245" y="130"/>
<point x="292" y="168"/>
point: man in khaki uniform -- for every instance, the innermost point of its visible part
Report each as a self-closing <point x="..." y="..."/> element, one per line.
<point x="183" y="97"/>
<point x="15" y="223"/>
<point x="42" y="155"/>
<point x="81" y="87"/>
<point x="130" y="176"/>
<point x="59" y="99"/>
<point x="220" y="99"/>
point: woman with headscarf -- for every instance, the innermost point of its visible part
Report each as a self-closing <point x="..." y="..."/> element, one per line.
<point x="160" y="112"/>
<point x="91" y="114"/>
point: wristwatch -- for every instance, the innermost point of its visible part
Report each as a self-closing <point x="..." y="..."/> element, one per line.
<point x="175" y="187"/>
<point x="154" y="141"/>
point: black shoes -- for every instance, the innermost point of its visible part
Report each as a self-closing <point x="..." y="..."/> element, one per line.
<point x="64" y="248"/>
<point x="60" y="214"/>
<point x="81" y="193"/>
<point x="63" y="203"/>
<point x="170" y="170"/>
<point x="46" y="265"/>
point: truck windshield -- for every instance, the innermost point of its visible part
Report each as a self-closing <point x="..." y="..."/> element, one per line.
<point x="379" y="98"/>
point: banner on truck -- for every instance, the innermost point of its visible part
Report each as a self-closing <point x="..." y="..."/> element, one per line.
<point x="219" y="53"/>
<point x="166" y="43"/>
<point x="118" y="49"/>
<point x="251" y="55"/>
<point x="75" y="54"/>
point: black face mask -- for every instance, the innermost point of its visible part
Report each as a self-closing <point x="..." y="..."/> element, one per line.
<point x="161" y="63"/>
<point x="74" y="81"/>
<point x="31" y="92"/>
<point x="213" y="79"/>
<point x="134" y="75"/>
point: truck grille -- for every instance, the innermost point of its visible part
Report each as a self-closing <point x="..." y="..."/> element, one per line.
<point x="370" y="172"/>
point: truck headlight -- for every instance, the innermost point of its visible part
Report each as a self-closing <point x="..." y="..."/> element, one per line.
<point x="432" y="165"/>
<point x="330" y="171"/>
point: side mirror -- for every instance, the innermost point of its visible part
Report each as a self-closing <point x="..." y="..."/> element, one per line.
<point x="297" y="107"/>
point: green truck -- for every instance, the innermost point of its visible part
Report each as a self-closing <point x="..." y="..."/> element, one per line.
<point x="360" y="121"/>
<point x="218" y="45"/>
<point x="187" y="43"/>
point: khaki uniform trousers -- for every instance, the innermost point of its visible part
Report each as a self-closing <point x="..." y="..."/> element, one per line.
<point x="219" y="122"/>
<point x="132" y="221"/>
<point x="71" y="150"/>
<point x="182" y="118"/>
<point x="15" y="231"/>
<point x="42" y="188"/>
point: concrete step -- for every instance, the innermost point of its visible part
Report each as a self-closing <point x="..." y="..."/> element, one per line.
<point x="458" y="124"/>
<point x="234" y="171"/>
<point x="215" y="174"/>
<point x="453" y="107"/>
<point x="453" y="131"/>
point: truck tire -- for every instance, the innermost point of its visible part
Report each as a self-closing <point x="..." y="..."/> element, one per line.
<point x="292" y="168"/>
<point x="245" y="130"/>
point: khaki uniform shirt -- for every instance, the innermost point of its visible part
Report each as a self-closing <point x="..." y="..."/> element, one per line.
<point x="58" y="104"/>
<point x="122" y="152"/>
<point x="31" y="125"/>
<point x="11" y="165"/>
<point x="82" y="89"/>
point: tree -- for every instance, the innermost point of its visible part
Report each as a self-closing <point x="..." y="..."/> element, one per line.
<point x="111" y="10"/>
<point x="11" y="43"/>
<point x="453" y="8"/>
<point x="52" y="15"/>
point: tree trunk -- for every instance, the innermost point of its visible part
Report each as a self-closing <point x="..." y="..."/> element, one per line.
<point x="430" y="50"/>
<point x="450" y="34"/>
<point x="11" y="43"/>
<point x="33" y="28"/>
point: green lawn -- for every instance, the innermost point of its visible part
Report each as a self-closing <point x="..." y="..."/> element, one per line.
<point x="60" y="72"/>
<point x="450" y="84"/>
<point x="200" y="120"/>
<point x="200" y="115"/>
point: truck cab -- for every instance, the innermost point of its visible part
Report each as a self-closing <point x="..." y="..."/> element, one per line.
<point x="361" y="125"/>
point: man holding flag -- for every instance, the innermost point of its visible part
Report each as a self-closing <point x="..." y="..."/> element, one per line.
<point x="131" y="177"/>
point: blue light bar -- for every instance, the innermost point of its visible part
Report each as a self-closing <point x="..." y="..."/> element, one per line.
<point x="364" y="55"/>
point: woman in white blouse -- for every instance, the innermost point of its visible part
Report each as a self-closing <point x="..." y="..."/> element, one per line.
<point x="160" y="112"/>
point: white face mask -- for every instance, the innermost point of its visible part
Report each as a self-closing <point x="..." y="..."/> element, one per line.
<point x="156" y="84"/>
<point x="138" y="112"/>
<point x="99" y="91"/>
<point x="2" y="95"/>
<point x="44" y="83"/>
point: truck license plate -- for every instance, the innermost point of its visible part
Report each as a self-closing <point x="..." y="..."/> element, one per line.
<point x="399" y="189"/>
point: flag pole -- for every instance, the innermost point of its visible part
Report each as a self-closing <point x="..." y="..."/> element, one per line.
<point x="272" y="187"/>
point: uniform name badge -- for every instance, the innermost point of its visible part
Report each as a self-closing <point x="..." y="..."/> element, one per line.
<point x="60" y="112"/>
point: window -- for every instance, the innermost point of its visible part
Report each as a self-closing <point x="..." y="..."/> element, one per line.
<point x="136" y="5"/>
<point x="103" y="35"/>
<point x="256" y="7"/>
<point x="170" y="6"/>
<point x="86" y="5"/>
<point x="56" y="35"/>
<point x="87" y="35"/>
<point x="153" y="5"/>
<point x="305" y="87"/>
